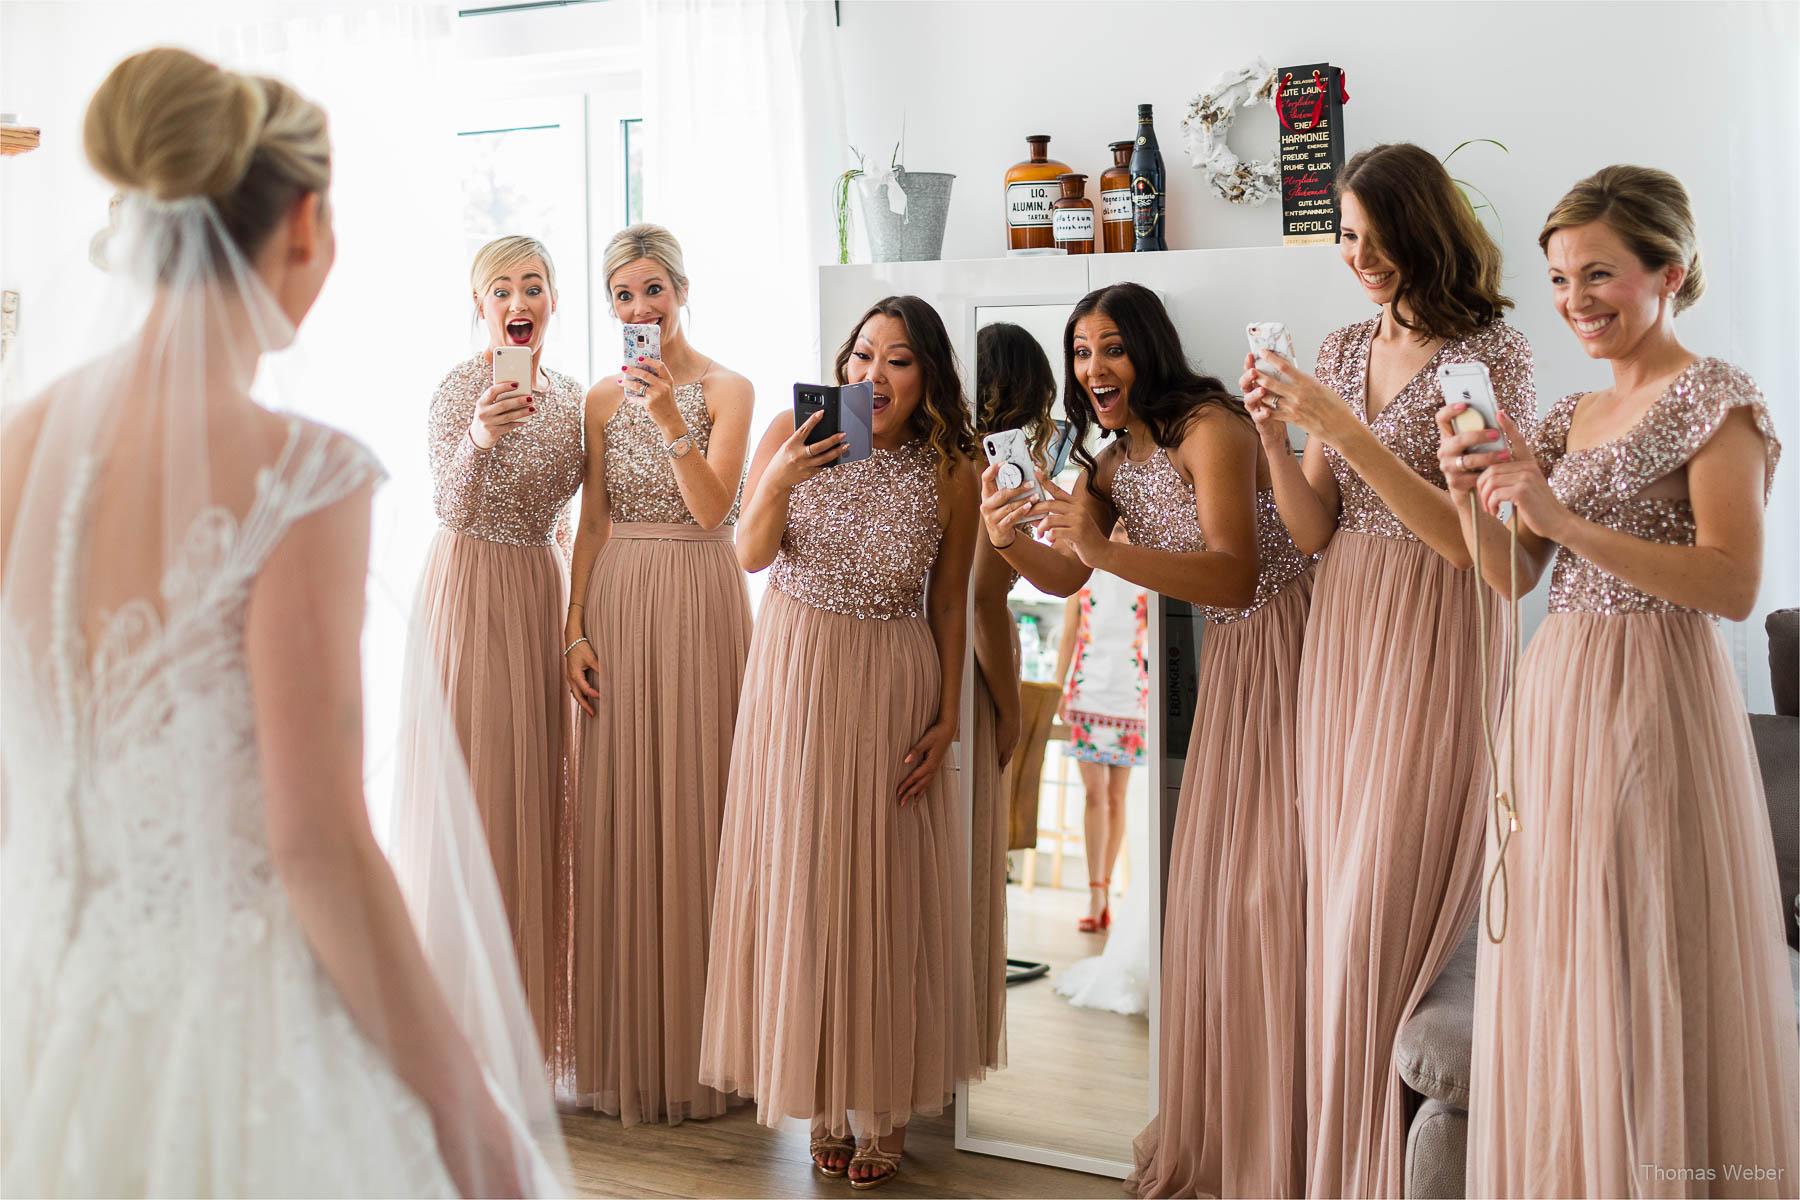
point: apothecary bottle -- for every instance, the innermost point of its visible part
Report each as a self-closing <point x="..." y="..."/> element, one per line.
<point x="1115" y="199"/>
<point x="1072" y="215"/>
<point x="1030" y="190"/>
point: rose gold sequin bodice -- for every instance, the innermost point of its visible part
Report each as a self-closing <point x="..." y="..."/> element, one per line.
<point x="515" y="491"/>
<point x="861" y="537"/>
<point x="1606" y="483"/>
<point x="640" y="476"/>
<point x="1408" y="425"/>
<point x="1160" y="512"/>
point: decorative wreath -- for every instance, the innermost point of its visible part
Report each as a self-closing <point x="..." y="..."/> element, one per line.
<point x="1208" y="123"/>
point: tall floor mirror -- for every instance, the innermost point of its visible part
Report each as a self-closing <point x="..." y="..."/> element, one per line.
<point x="1081" y="1004"/>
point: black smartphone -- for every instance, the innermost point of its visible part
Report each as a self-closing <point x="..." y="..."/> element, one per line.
<point x="848" y="409"/>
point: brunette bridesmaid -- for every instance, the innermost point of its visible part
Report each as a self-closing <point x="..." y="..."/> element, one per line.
<point x="1393" y="781"/>
<point x="838" y="989"/>
<point x="490" y="603"/>
<point x="1634" y="1023"/>
<point x="1015" y="389"/>
<point x="655" y="642"/>
<point x="1190" y="485"/>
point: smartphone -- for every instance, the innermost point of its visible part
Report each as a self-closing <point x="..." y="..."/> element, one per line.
<point x="513" y="364"/>
<point x="1268" y="337"/>
<point x="1012" y="450"/>
<point x="1062" y="445"/>
<point x="849" y="409"/>
<point x="1468" y="383"/>
<point x="642" y="341"/>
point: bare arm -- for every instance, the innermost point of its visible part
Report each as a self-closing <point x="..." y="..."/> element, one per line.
<point x="782" y="460"/>
<point x="303" y="641"/>
<point x="1059" y="573"/>
<point x="990" y="582"/>
<point x="946" y="608"/>
<point x="591" y="533"/>
<point x="1306" y="492"/>
<point x="1065" y="643"/>
<point x="1720" y="573"/>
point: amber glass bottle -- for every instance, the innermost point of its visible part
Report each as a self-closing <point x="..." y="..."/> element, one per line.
<point x="1115" y="200"/>
<point x="1030" y="190"/>
<point x="1072" y="215"/>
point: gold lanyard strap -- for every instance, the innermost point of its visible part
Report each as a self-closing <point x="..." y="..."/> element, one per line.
<point x="1505" y="812"/>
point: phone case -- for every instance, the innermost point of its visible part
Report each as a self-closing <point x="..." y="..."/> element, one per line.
<point x="1012" y="450"/>
<point x="514" y="363"/>
<point x="849" y="409"/>
<point x="1270" y="337"/>
<point x="1061" y="447"/>
<point x="642" y="341"/>
<point x="1468" y="383"/>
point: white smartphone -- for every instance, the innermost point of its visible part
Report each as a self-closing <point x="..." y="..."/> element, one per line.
<point x="513" y="364"/>
<point x="642" y="341"/>
<point x="1270" y="337"/>
<point x="1012" y="450"/>
<point x="1468" y="383"/>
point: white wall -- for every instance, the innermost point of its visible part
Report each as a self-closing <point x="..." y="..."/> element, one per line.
<point x="1701" y="89"/>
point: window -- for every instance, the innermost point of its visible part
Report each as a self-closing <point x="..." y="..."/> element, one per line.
<point x="631" y="136"/>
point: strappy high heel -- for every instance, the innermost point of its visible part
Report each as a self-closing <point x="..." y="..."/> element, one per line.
<point x="1104" y="920"/>
<point x="872" y="1155"/>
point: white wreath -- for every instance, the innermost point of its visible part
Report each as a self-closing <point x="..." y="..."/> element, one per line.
<point x="1208" y="124"/>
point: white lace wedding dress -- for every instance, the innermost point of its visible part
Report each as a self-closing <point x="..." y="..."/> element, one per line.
<point x="167" y="1029"/>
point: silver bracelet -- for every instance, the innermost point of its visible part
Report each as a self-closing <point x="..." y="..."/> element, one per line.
<point x="574" y="644"/>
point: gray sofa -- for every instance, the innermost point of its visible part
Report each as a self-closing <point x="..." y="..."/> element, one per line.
<point x="1433" y="1050"/>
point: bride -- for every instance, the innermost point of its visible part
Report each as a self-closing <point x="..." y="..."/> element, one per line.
<point x="213" y="983"/>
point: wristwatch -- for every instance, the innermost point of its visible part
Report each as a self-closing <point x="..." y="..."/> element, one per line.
<point x="680" y="446"/>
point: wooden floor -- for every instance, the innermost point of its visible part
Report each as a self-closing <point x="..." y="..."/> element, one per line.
<point x="733" y="1156"/>
<point x="1077" y="1079"/>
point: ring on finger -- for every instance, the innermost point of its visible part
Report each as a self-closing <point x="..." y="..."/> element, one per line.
<point x="1459" y="463"/>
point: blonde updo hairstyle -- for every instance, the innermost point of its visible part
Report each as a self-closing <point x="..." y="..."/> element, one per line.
<point x="1648" y="209"/>
<point x="172" y="126"/>
<point x="502" y="255"/>
<point x="646" y="241"/>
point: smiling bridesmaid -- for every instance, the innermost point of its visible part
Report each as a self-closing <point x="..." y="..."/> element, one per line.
<point x="490" y="602"/>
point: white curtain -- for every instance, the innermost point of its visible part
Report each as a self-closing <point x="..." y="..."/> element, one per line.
<point x="743" y="109"/>
<point x="394" y="314"/>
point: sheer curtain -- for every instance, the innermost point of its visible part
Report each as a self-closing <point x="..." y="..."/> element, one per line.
<point x="743" y="109"/>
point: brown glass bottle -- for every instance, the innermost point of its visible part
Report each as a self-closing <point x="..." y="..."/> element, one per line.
<point x="1115" y="200"/>
<point x="1030" y="189"/>
<point x="1072" y="215"/>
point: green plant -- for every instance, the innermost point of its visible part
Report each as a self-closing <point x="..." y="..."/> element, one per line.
<point x="841" y="193"/>
<point x="1469" y="190"/>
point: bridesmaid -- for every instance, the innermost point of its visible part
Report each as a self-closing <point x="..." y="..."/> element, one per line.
<point x="491" y="597"/>
<point x="1015" y="390"/>
<point x="839" y="984"/>
<point x="1634" y="1029"/>
<point x="656" y="642"/>
<point x="1392" y="774"/>
<point x="1192" y="489"/>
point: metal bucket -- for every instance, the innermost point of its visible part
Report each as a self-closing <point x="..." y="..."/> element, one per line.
<point x="918" y="236"/>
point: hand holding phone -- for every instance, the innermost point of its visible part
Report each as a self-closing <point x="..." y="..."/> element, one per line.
<point x="1270" y="337"/>
<point x="847" y="408"/>
<point x="1468" y="383"/>
<point x="1011" y="451"/>
<point x="512" y="364"/>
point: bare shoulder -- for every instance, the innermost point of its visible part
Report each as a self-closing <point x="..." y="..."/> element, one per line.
<point x="724" y="387"/>
<point x="603" y="400"/>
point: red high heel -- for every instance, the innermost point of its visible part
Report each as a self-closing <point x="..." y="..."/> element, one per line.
<point x="1104" y="920"/>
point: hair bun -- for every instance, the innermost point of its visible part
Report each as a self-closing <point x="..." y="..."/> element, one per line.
<point x="173" y="125"/>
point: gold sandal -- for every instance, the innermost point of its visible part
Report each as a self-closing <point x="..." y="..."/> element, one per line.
<point x="872" y="1155"/>
<point x="825" y="1145"/>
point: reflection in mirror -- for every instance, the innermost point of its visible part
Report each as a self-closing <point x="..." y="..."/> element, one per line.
<point x="1061" y="684"/>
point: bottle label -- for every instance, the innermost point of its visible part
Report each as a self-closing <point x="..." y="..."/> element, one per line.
<point x="1117" y="204"/>
<point x="1028" y="204"/>
<point x="1073" y="224"/>
<point x="1146" y="205"/>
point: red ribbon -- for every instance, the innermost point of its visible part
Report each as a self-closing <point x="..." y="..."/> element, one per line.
<point x="1318" y="113"/>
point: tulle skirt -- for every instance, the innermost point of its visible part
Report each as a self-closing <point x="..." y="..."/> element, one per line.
<point x="1393" y="793"/>
<point x="992" y="796"/>
<point x="493" y="616"/>
<point x="840" y="976"/>
<point x="215" y="1066"/>
<point x="1634" y="1032"/>
<point x="669" y="618"/>
<point x="1231" y="1118"/>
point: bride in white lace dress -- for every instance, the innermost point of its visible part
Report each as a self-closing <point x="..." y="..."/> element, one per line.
<point x="212" y="981"/>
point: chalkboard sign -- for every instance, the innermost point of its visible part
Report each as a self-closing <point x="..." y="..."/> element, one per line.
<point x="1309" y="101"/>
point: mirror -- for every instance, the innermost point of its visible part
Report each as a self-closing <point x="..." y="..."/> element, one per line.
<point x="1079" y="1007"/>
